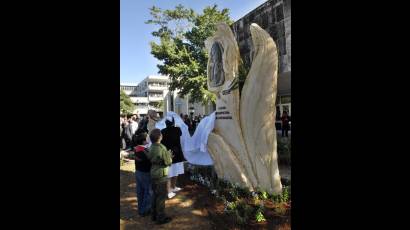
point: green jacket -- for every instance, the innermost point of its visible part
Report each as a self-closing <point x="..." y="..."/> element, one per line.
<point x="160" y="159"/>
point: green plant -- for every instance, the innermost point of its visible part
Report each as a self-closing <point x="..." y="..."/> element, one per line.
<point x="264" y="195"/>
<point x="231" y="206"/>
<point x="221" y="198"/>
<point x="233" y="194"/>
<point x="282" y="198"/>
<point x="126" y="105"/>
<point x="259" y="217"/>
<point x="243" y="212"/>
<point x="285" y="194"/>
<point x="243" y="192"/>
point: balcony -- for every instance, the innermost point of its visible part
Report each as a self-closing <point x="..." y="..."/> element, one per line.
<point x="157" y="87"/>
<point x="155" y="98"/>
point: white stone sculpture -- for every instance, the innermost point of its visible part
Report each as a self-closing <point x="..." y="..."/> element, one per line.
<point x="152" y="119"/>
<point x="243" y="142"/>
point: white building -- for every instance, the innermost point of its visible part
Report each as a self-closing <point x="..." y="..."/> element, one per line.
<point x="141" y="103"/>
<point x="148" y="94"/>
<point x="129" y="88"/>
<point x="154" y="88"/>
<point x="172" y="102"/>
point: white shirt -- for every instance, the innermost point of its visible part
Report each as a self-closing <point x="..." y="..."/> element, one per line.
<point x="134" y="127"/>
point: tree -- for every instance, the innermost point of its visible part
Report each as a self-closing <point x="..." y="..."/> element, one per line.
<point x="181" y="47"/>
<point x="126" y="105"/>
<point x="157" y="104"/>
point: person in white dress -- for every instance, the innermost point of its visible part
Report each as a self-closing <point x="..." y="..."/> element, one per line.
<point x="171" y="139"/>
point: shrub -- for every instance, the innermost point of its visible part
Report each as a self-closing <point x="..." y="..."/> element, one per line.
<point x="243" y="192"/>
<point x="282" y="198"/>
<point x="240" y="211"/>
<point x="259" y="217"/>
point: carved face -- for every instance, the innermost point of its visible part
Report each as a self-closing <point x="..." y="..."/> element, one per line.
<point x="215" y="70"/>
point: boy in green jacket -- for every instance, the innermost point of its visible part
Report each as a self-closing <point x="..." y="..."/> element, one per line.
<point x="160" y="159"/>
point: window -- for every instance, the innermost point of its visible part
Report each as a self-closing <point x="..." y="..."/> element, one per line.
<point x="278" y="113"/>
<point x="285" y="99"/>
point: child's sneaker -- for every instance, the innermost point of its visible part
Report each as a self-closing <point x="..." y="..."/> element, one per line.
<point x="176" y="189"/>
<point x="171" y="194"/>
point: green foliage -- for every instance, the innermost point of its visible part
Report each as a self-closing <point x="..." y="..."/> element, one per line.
<point x="241" y="204"/>
<point x="240" y="211"/>
<point x="263" y="195"/>
<point x="285" y="195"/>
<point x="158" y="104"/>
<point x="259" y="217"/>
<point x="231" y="206"/>
<point x="282" y="198"/>
<point x="161" y="104"/>
<point x="181" y="47"/>
<point x="243" y="192"/>
<point x="126" y="105"/>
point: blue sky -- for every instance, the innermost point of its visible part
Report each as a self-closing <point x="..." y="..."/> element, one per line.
<point x="136" y="60"/>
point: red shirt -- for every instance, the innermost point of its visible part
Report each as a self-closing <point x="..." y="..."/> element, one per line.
<point x="285" y="120"/>
<point x="141" y="161"/>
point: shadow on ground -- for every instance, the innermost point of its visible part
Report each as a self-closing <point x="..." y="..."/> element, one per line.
<point x="181" y="208"/>
<point x="193" y="208"/>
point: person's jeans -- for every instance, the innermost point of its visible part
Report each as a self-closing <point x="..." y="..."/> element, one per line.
<point x="144" y="191"/>
<point x="285" y="130"/>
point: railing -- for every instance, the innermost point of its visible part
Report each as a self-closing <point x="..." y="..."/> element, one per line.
<point x="156" y="95"/>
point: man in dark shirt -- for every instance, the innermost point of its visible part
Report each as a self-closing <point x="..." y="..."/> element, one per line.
<point x="285" y="123"/>
<point x="142" y="174"/>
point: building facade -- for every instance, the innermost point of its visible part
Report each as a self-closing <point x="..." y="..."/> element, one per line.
<point x="154" y="88"/>
<point x="172" y="102"/>
<point x="274" y="16"/>
<point x="141" y="103"/>
<point x="148" y="94"/>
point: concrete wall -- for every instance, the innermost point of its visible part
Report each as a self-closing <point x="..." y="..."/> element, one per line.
<point x="274" y="16"/>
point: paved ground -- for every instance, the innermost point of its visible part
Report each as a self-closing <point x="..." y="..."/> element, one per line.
<point x="185" y="216"/>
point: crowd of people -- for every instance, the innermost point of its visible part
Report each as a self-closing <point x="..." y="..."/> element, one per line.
<point x="131" y="125"/>
<point x="192" y="122"/>
<point x="158" y="161"/>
